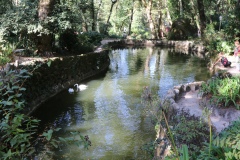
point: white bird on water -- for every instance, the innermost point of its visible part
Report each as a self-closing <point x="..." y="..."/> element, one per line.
<point x="80" y="87"/>
<point x="70" y="90"/>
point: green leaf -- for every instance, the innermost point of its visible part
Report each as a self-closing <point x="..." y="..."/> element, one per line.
<point x="54" y="144"/>
<point x="13" y="141"/>
<point x="57" y="129"/>
<point x="49" y="63"/>
<point x="48" y="134"/>
<point x="22" y="89"/>
<point x="15" y="87"/>
<point x="7" y="103"/>
<point x="185" y="154"/>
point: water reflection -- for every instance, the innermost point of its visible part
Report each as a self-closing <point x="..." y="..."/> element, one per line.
<point x="109" y="111"/>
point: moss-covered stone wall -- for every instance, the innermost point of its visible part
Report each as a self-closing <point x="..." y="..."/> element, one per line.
<point x="53" y="75"/>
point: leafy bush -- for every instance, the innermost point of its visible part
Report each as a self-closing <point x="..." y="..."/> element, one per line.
<point x="75" y="42"/>
<point x="93" y="37"/>
<point x="225" y="47"/>
<point x="5" y="54"/>
<point x="223" y="91"/>
<point x="229" y="140"/>
<point x="189" y="130"/>
<point x="18" y="130"/>
<point x="225" y="146"/>
<point x="68" y="40"/>
<point x="179" y="128"/>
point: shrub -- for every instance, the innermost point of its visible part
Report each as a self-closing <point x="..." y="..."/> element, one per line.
<point x="93" y="37"/>
<point x="225" y="146"/>
<point x="223" y="92"/>
<point x="18" y="130"/>
<point x="189" y="130"/>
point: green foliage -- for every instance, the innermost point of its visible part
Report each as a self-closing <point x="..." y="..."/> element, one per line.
<point x="17" y="23"/>
<point x="149" y="148"/>
<point x="182" y="128"/>
<point x="68" y="40"/>
<point x="223" y="91"/>
<point x="5" y="53"/>
<point x="18" y="131"/>
<point x="215" y="40"/>
<point x="225" y="145"/>
<point x="75" y="42"/>
<point x="189" y="130"/>
<point x="224" y="47"/>
<point x="93" y="37"/>
<point x="184" y="153"/>
<point x="182" y="29"/>
<point x="229" y="139"/>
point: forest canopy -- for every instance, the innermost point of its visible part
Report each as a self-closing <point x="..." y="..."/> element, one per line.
<point x="63" y="26"/>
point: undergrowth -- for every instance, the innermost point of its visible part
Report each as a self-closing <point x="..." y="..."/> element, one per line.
<point x="223" y="91"/>
<point x="18" y="131"/>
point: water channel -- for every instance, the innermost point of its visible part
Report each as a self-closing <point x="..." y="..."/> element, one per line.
<point x="109" y="111"/>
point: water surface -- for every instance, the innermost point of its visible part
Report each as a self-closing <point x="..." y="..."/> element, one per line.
<point x="109" y="111"/>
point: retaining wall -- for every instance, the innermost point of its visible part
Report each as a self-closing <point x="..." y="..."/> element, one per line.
<point x="163" y="148"/>
<point x="53" y="75"/>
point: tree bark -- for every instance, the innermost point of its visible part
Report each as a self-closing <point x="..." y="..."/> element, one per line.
<point x="131" y="19"/>
<point x="93" y="16"/>
<point x="196" y="17"/>
<point x="180" y="8"/>
<point x="201" y="16"/>
<point x="45" y="41"/>
<point x="160" y="26"/>
<point x="109" y="16"/>
<point x="97" y="16"/>
<point x="148" y="8"/>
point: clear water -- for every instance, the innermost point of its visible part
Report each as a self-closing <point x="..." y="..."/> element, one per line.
<point x="109" y="111"/>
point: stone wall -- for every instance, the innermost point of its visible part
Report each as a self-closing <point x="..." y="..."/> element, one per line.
<point x="174" y="94"/>
<point x="53" y="75"/>
<point x="179" y="46"/>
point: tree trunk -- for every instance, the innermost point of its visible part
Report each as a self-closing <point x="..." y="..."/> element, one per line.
<point x="45" y="41"/>
<point x="180" y="8"/>
<point x="93" y="16"/>
<point x="196" y="17"/>
<point x="201" y="16"/>
<point x="148" y="8"/>
<point x="84" y="22"/>
<point x="97" y="16"/>
<point x="110" y="13"/>
<point x="160" y="26"/>
<point x="131" y="19"/>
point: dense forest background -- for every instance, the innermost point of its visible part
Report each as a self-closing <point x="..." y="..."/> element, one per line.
<point x="46" y="26"/>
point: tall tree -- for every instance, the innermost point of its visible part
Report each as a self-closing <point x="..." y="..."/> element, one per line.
<point x="110" y="13"/>
<point x="195" y="15"/>
<point x="45" y="40"/>
<point x="201" y="16"/>
<point x="148" y="9"/>
<point x="160" y="26"/>
<point x="131" y="18"/>
<point x="93" y="15"/>
<point x="98" y="15"/>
